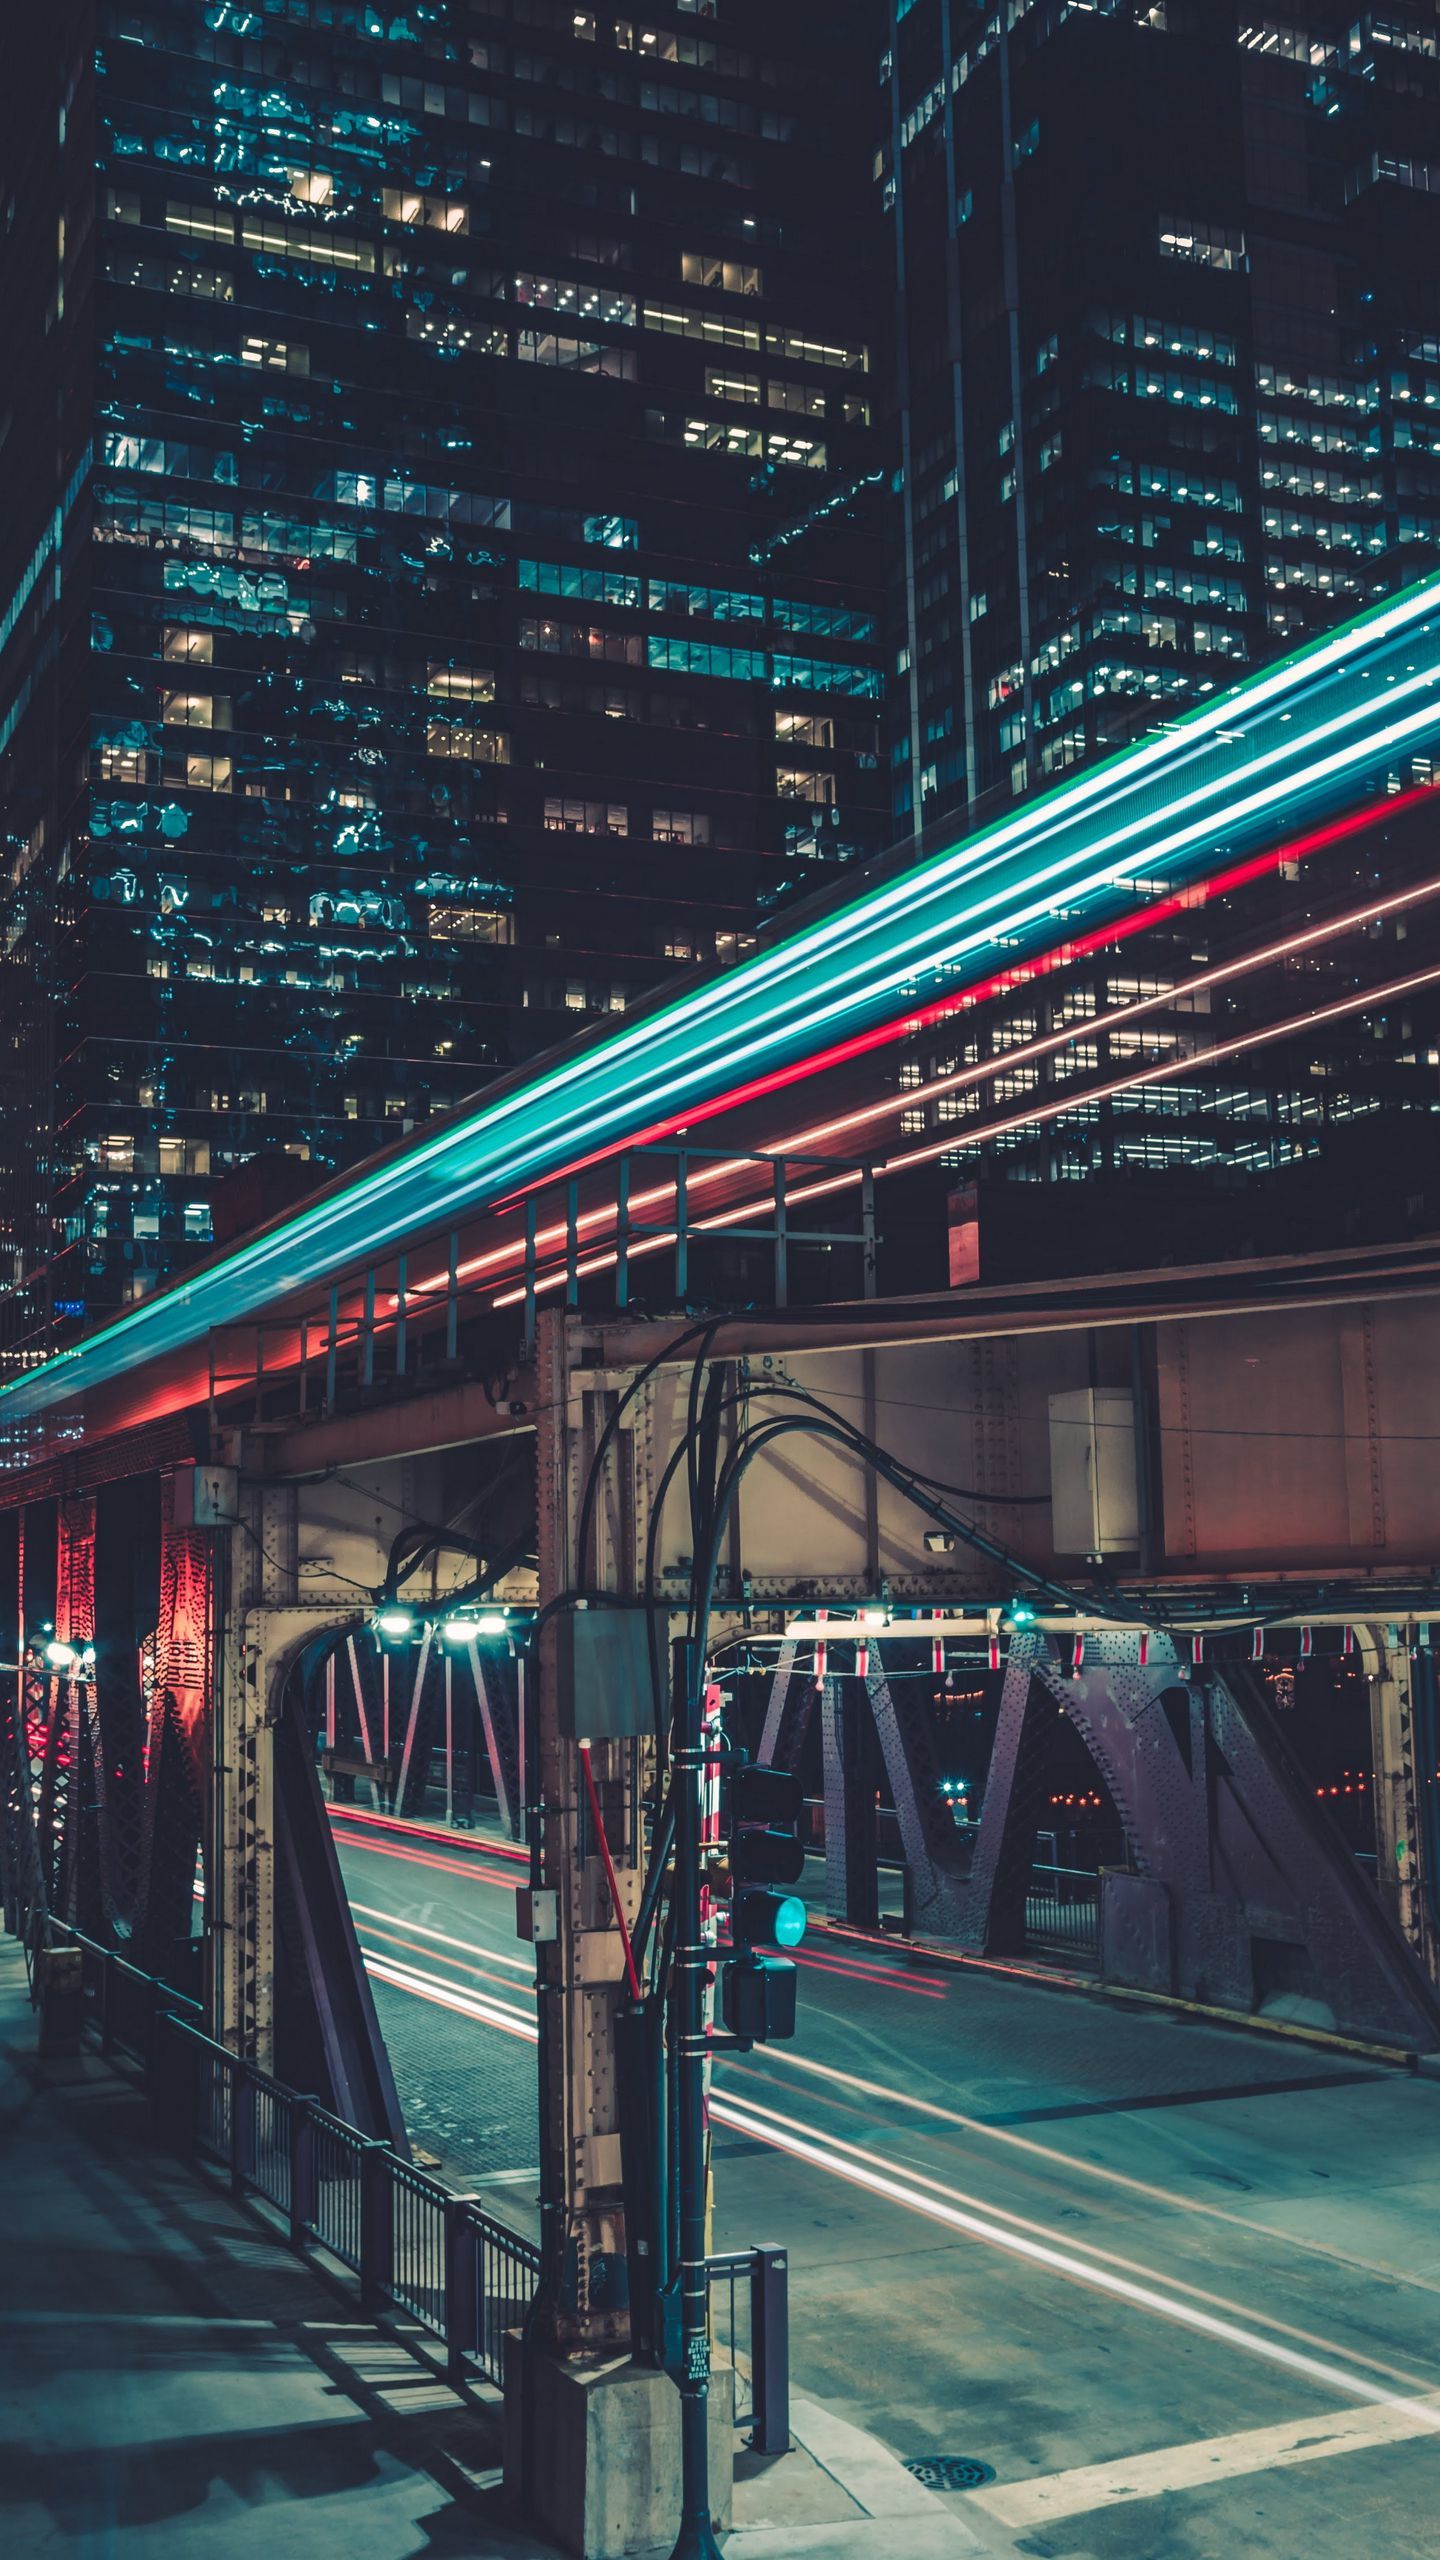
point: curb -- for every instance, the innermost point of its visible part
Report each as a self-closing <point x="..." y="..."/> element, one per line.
<point x="896" y="2513"/>
<point x="922" y="1952"/>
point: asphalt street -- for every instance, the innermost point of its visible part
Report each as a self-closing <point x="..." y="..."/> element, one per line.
<point x="1176" y="2286"/>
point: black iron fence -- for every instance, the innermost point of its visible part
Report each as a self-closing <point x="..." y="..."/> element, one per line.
<point x="1062" y="1909"/>
<point x="412" y="2244"/>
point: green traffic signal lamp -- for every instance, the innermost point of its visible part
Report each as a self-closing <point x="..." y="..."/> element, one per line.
<point x="1021" y="1614"/>
<point x="762" y="1918"/>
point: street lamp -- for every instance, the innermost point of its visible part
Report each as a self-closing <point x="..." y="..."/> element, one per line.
<point x="394" y="1623"/>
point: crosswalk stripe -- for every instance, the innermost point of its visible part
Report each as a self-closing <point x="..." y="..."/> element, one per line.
<point x="1200" y="2464"/>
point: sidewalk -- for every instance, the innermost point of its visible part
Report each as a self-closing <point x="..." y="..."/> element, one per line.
<point x="173" y="2380"/>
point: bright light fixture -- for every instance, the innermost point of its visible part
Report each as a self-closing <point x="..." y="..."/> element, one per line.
<point x="62" y="1657"/>
<point x="395" y="1622"/>
<point x="460" y="1628"/>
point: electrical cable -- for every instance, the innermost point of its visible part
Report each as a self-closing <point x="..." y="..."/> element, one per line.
<point x="616" y="1905"/>
<point x="704" y="1331"/>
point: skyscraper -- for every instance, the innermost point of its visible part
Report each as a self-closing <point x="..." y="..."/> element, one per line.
<point x="1170" y="357"/>
<point x="435" y="578"/>
<point x="1169" y="274"/>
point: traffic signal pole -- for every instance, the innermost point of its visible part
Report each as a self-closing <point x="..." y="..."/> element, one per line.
<point x="696" y="2537"/>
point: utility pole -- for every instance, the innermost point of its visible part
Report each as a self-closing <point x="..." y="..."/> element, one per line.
<point x="696" y="2538"/>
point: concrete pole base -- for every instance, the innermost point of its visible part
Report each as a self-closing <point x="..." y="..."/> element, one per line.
<point x="603" y="2440"/>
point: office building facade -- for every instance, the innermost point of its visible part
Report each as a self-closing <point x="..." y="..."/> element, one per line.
<point x="437" y="571"/>
<point x="1169" y="403"/>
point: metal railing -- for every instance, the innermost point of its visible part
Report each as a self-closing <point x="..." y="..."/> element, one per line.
<point x="1062" y="1909"/>
<point x="413" y="2244"/>
<point x="750" y="2323"/>
<point x="654" y="1209"/>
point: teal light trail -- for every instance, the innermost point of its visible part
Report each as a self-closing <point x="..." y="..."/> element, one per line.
<point x="1302" y="742"/>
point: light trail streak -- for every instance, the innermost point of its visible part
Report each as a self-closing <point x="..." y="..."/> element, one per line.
<point x="1357" y="702"/>
<point x="1033" y="1116"/>
<point x="1051" y="2159"/>
<point x="1006" y="981"/>
<point x="469" y="1946"/>
<point x="446" y="1995"/>
<point x="983" y="1072"/>
<point x="1197" y="1060"/>
<point x="1019" y="2236"/>
<point x="401" y="1827"/>
<point x="1218" y="884"/>
<point x="816" y="1963"/>
<point x="917" y="2194"/>
<point x="470" y="1867"/>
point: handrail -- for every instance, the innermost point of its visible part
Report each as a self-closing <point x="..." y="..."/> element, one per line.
<point x="414" y="2245"/>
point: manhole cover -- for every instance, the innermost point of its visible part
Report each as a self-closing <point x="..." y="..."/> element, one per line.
<point x="950" y="2471"/>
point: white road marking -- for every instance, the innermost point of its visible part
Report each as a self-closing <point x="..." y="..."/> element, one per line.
<point x="1023" y="2503"/>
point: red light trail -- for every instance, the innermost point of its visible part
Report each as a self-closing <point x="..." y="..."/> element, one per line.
<point x="1199" y="894"/>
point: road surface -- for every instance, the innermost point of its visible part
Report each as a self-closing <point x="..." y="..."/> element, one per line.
<point x="1177" y="2286"/>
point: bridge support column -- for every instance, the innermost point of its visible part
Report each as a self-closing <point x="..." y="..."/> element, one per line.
<point x="592" y="2437"/>
<point x="1394" y="1672"/>
<point x="255" y="1572"/>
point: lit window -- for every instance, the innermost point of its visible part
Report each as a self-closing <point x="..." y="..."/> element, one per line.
<point x="803" y="729"/>
<point x="732" y="386"/>
<point x="311" y="248"/>
<point x="120" y="763"/>
<point x="587" y="300"/>
<point x="722" y="275"/>
<point x="462" y="738"/>
<point x="437" y="213"/>
<point x="1202" y="244"/>
<point x="195" y="711"/>
<point x="680" y="826"/>
<point x="587" y="817"/>
<point x="200" y="221"/>
<point x="471" y="924"/>
<point x="198" y="770"/>
<point x="792" y="448"/>
<point x="793" y="350"/>
<point x="184" y="1155"/>
<point x="460" y="684"/>
<point x="181" y="641"/>
<point x="715" y="435"/>
<point x="276" y="355"/>
<point x="797" y="398"/>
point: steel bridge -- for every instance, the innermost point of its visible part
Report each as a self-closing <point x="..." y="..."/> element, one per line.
<point x="469" y="1389"/>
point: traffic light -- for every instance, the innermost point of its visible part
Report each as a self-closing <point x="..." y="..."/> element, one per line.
<point x="757" y="1988"/>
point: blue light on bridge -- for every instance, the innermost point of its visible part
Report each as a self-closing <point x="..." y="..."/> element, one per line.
<point x="1309" y="738"/>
